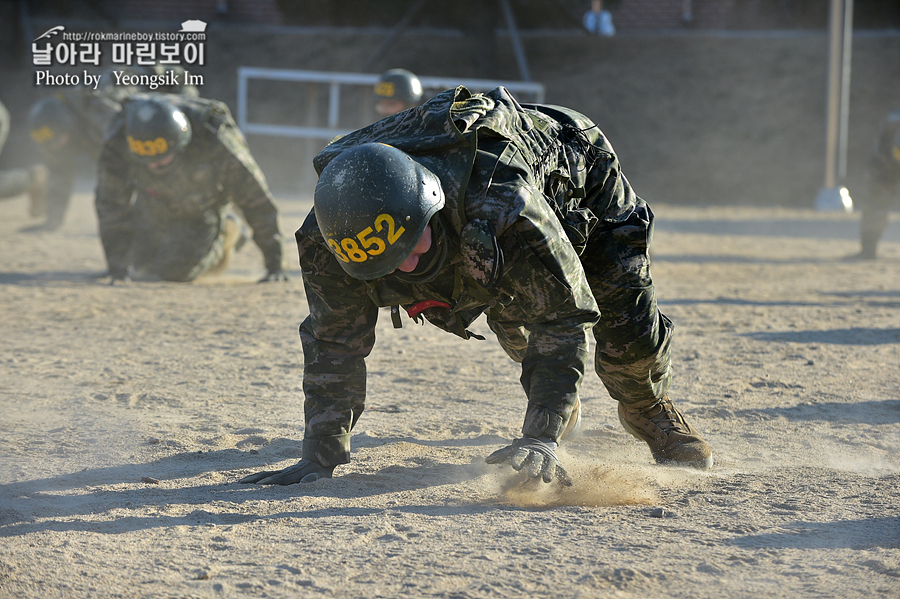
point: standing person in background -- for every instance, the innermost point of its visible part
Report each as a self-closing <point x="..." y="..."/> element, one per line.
<point x="882" y="183"/>
<point x="397" y="90"/>
<point x="20" y="181"/>
<point x="67" y="127"/>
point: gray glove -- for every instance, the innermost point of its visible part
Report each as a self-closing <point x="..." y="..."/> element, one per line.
<point x="536" y="455"/>
<point x="304" y="471"/>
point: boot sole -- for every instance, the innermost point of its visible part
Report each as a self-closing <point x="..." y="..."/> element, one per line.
<point x="704" y="464"/>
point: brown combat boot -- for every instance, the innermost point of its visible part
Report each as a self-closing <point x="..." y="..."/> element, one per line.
<point x="671" y="439"/>
<point x="37" y="190"/>
<point x="234" y="238"/>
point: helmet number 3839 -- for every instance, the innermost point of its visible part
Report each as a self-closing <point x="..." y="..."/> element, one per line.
<point x="151" y="147"/>
<point x="348" y="250"/>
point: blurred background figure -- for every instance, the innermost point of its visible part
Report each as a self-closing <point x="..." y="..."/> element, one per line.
<point x="598" y="21"/>
<point x="175" y="176"/>
<point x="882" y="182"/>
<point x="68" y="128"/>
<point x="20" y="181"/>
<point x="397" y="90"/>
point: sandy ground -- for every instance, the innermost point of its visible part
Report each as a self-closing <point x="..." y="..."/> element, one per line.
<point x="129" y="413"/>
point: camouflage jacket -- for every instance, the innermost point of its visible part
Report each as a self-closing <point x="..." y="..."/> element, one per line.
<point x="214" y="171"/>
<point x="524" y="187"/>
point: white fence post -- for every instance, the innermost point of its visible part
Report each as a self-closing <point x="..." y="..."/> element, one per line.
<point x="335" y="81"/>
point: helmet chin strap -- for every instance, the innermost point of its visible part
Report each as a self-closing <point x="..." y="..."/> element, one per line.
<point x="162" y="170"/>
<point x="432" y="261"/>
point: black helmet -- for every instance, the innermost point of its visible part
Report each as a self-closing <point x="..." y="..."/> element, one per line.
<point x="155" y="128"/>
<point x="49" y="120"/>
<point x="372" y="204"/>
<point x="399" y="84"/>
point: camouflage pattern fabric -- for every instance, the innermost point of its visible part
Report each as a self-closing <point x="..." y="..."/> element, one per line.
<point x="545" y="237"/>
<point x="13" y="182"/>
<point x="174" y="228"/>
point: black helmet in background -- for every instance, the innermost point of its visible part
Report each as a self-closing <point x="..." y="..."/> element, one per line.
<point x="155" y="129"/>
<point x="396" y="90"/>
<point x="372" y="205"/>
<point x="51" y="123"/>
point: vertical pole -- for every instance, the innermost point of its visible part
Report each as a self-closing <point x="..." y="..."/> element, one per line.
<point x="242" y="99"/>
<point x="516" y="41"/>
<point x="27" y="29"/>
<point x="832" y="196"/>
<point x="834" y="92"/>
<point x="310" y="145"/>
<point x="846" y="47"/>
<point x="334" y="104"/>
<point x="396" y="32"/>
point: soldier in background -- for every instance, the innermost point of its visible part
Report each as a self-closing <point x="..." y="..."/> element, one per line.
<point x="882" y="183"/>
<point x="20" y="181"/>
<point x="397" y="90"/>
<point x="472" y="204"/>
<point x="68" y="128"/>
<point x="190" y="170"/>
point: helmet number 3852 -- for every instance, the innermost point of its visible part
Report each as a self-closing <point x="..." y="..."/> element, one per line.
<point x="348" y="250"/>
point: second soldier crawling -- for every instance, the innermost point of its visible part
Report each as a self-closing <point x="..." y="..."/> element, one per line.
<point x="195" y="186"/>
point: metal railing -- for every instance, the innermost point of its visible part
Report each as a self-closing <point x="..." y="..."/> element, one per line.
<point x="526" y="91"/>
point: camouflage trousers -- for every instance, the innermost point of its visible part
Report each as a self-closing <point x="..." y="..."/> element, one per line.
<point x="181" y="249"/>
<point x="633" y="338"/>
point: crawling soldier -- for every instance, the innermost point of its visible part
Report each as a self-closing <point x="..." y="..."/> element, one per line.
<point x="474" y="204"/>
<point x="188" y="167"/>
